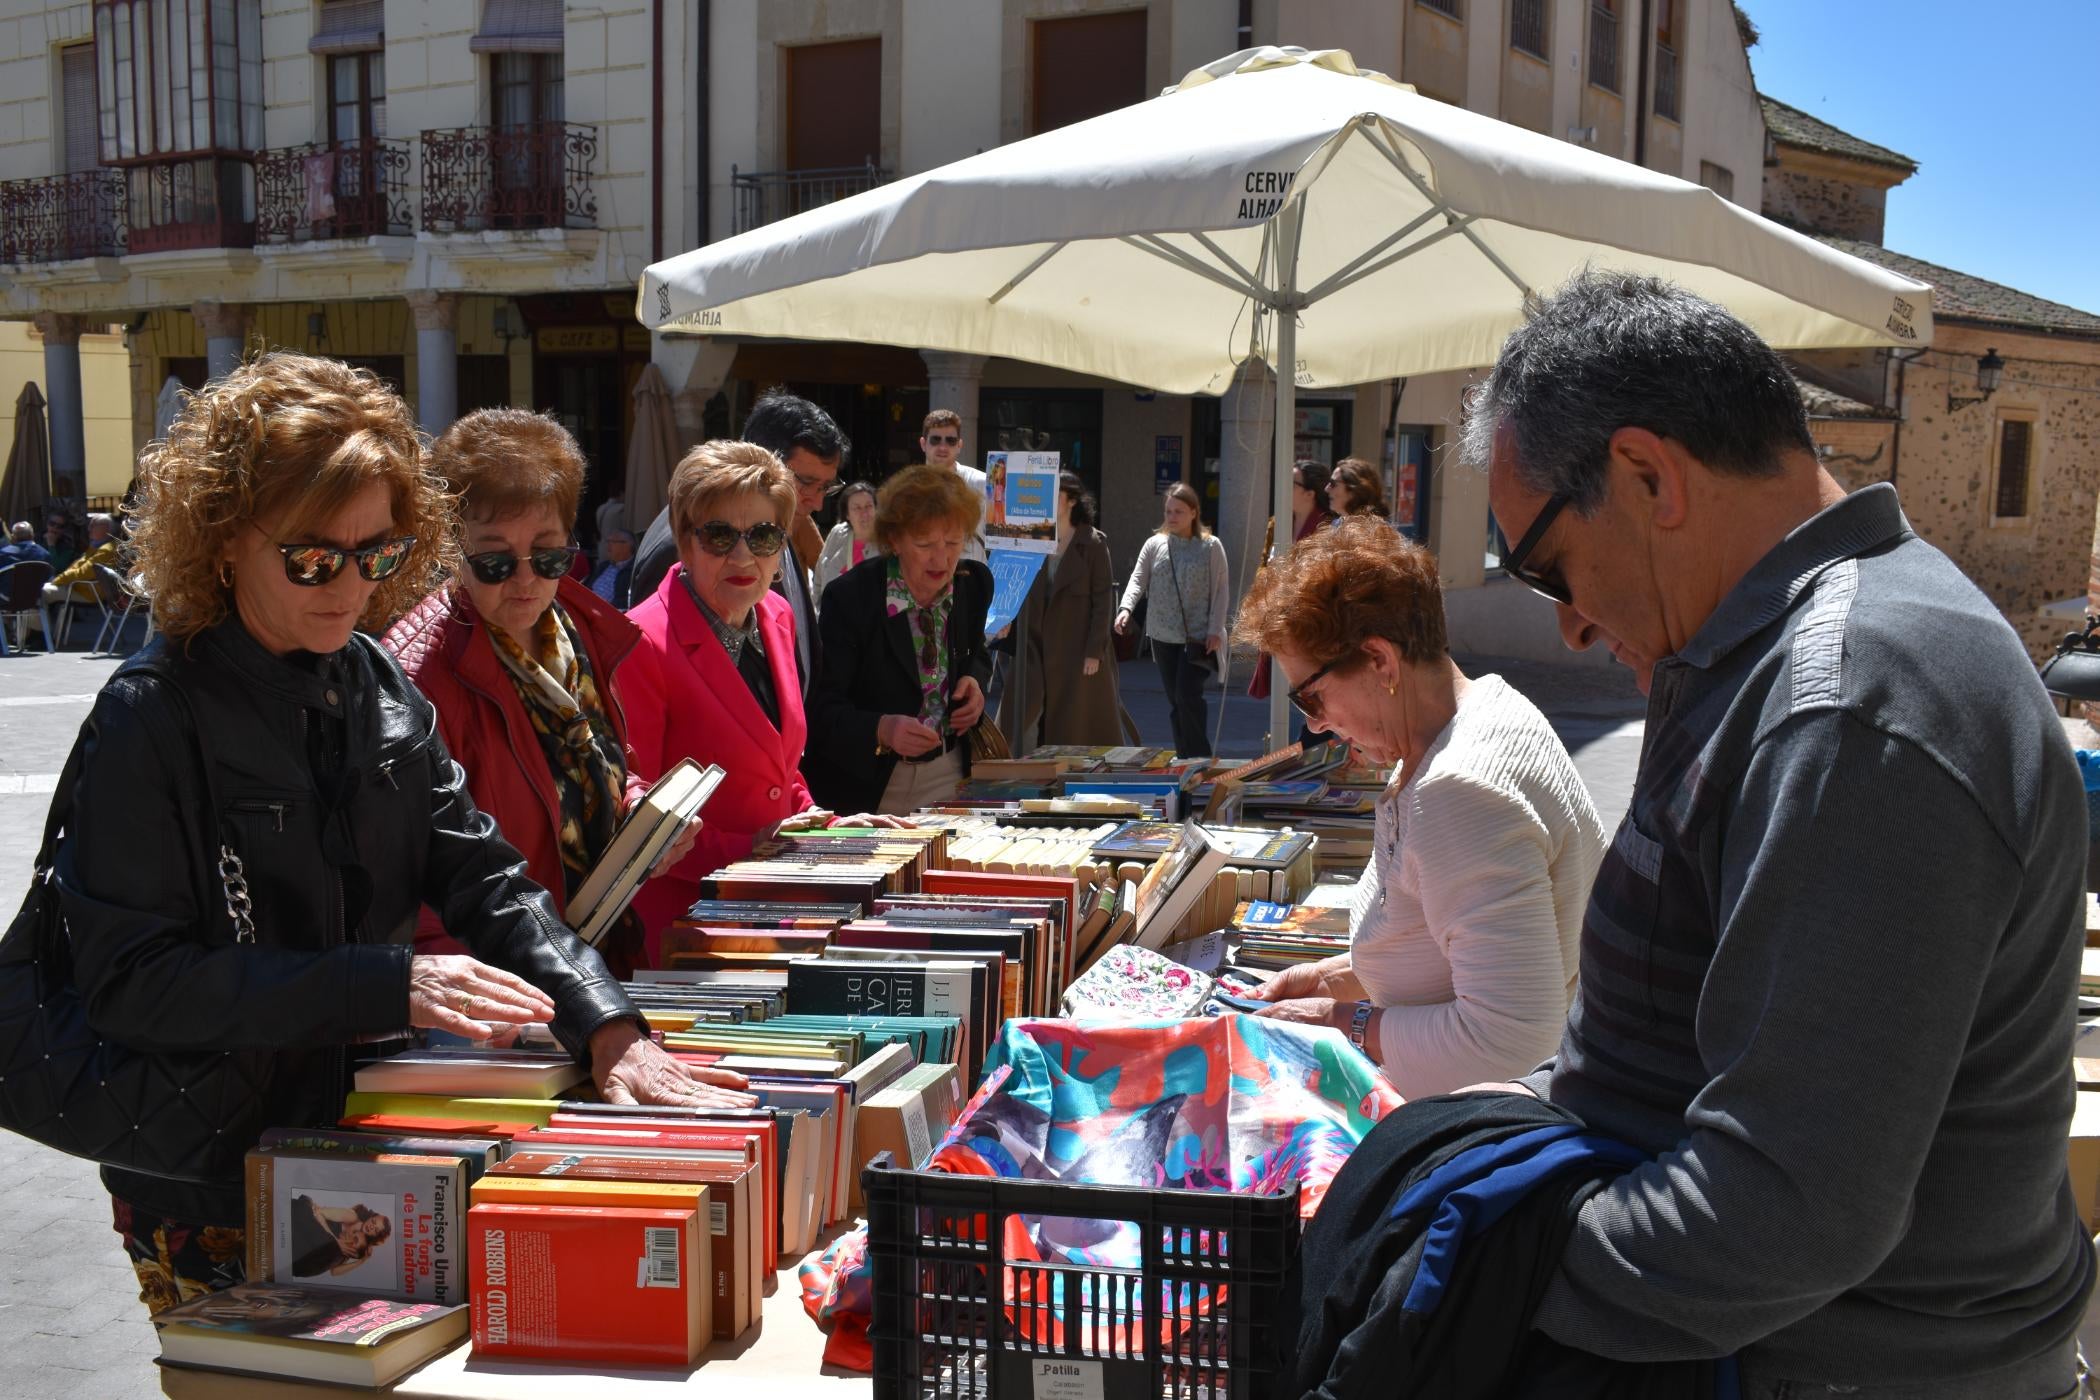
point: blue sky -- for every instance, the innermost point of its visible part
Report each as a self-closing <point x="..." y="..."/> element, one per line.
<point x="1999" y="104"/>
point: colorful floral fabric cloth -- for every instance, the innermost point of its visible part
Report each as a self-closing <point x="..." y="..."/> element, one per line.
<point x="1136" y="984"/>
<point x="176" y="1261"/>
<point x="1232" y="1103"/>
<point x="929" y="630"/>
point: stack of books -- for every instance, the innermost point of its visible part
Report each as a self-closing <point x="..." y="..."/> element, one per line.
<point x="1264" y="863"/>
<point x="843" y="865"/>
<point x="1275" y="936"/>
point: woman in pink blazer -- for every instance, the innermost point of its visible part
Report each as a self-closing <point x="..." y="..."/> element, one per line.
<point x="715" y="678"/>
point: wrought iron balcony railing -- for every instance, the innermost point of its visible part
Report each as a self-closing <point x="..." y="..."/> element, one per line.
<point x="57" y="218"/>
<point x="767" y="196"/>
<point x="510" y="177"/>
<point x="343" y="189"/>
<point x="190" y="202"/>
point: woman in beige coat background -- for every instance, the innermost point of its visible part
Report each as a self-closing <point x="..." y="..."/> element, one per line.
<point x="1065" y="627"/>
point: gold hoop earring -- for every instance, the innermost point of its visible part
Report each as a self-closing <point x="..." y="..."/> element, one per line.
<point x="225" y="575"/>
<point x="1392" y="690"/>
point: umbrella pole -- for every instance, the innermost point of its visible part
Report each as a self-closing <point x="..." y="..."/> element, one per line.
<point x="1286" y="367"/>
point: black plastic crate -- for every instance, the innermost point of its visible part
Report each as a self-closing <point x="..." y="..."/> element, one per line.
<point x="1203" y="1318"/>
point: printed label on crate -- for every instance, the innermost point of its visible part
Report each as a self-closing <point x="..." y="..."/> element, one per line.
<point x="1067" y="1380"/>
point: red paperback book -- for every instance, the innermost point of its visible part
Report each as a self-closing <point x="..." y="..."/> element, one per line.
<point x="614" y="1284"/>
<point x="739" y="1257"/>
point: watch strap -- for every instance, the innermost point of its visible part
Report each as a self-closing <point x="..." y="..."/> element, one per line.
<point x="1360" y="1024"/>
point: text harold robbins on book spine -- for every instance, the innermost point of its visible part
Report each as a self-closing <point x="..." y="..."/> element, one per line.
<point x="495" y="1271"/>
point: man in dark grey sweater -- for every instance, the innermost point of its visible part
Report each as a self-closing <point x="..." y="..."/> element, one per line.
<point x="1829" y="965"/>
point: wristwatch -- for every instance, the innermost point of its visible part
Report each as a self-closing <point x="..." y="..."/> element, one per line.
<point x="1360" y="1023"/>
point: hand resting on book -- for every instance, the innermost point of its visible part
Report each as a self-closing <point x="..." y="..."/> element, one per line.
<point x="463" y="995"/>
<point x="631" y="1068"/>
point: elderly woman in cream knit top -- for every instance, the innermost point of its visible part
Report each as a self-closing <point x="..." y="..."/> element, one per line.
<point x="1467" y="921"/>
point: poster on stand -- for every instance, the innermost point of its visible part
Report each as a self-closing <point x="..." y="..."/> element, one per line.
<point x="1020" y="528"/>
<point x="1021" y="492"/>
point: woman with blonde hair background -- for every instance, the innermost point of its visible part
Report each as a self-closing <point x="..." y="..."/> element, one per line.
<point x="1182" y="570"/>
<point x="259" y="804"/>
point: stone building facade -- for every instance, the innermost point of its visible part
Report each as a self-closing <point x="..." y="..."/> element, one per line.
<point x="458" y="194"/>
<point x="2005" y="482"/>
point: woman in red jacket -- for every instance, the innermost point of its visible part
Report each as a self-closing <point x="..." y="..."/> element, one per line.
<point x="524" y="663"/>
<point x="718" y="681"/>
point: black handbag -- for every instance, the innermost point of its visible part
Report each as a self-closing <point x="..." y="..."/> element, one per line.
<point x="189" y="1115"/>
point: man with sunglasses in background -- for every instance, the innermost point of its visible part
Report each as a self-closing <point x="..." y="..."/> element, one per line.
<point x="1829" y="964"/>
<point x="805" y="439"/>
<point x="940" y="439"/>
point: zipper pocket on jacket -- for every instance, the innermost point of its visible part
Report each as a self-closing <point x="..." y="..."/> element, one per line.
<point x="255" y="807"/>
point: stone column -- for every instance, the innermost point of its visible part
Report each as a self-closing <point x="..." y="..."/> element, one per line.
<point x="1246" y="446"/>
<point x="225" y="335"/>
<point x="953" y="381"/>
<point x="61" y="336"/>
<point x="437" y="358"/>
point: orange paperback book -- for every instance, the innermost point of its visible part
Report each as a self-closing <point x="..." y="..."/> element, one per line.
<point x="613" y="1284"/>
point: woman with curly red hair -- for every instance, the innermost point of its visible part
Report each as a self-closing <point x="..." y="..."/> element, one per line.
<point x="259" y="804"/>
<point x="1466" y="922"/>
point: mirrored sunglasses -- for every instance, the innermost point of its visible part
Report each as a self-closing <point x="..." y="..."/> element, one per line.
<point x="315" y="565"/>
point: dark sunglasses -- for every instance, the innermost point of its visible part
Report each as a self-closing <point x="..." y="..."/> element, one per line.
<point x="830" y="487"/>
<point x="944" y="439"/>
<point x="1546" y="586"/>
<point x="1313" y="705"/>
<point x="719" y="537"/>
<point x="316" y="565"/>
<point x="499" y="565"/>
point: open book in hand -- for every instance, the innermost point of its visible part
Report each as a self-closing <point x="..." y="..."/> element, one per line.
<point x="646" y="833"/>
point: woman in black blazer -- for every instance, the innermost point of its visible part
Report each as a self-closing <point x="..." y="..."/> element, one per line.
<point x="894" y="704"/>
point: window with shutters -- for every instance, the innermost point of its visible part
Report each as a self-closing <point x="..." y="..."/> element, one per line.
<point x="2012" y="495"/>
<point x="1085" y="65"/>
<point x="1718" y="178"/>
<point x="80" y="135"/>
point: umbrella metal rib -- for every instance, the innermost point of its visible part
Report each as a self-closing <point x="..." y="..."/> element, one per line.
<point x="1407" y="171"/>
<point x="1025" y="273"/>
<point x="1188" y="262"/>
<point x="1347" y="278"/>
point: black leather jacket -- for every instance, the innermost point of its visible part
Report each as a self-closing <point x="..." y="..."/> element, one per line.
<point x="330" y="782"/>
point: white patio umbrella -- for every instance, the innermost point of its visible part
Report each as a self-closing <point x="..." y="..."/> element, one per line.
<point x="1278" y="204"/>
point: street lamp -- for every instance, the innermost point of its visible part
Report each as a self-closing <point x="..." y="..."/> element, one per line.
<point x="1988" y="369"/>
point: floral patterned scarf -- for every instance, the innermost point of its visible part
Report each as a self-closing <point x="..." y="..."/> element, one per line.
<point x="929" y="626"/>
<point x="576" y="734"/>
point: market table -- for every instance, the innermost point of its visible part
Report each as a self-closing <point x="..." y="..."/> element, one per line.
<point x="783" y="1352"/>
